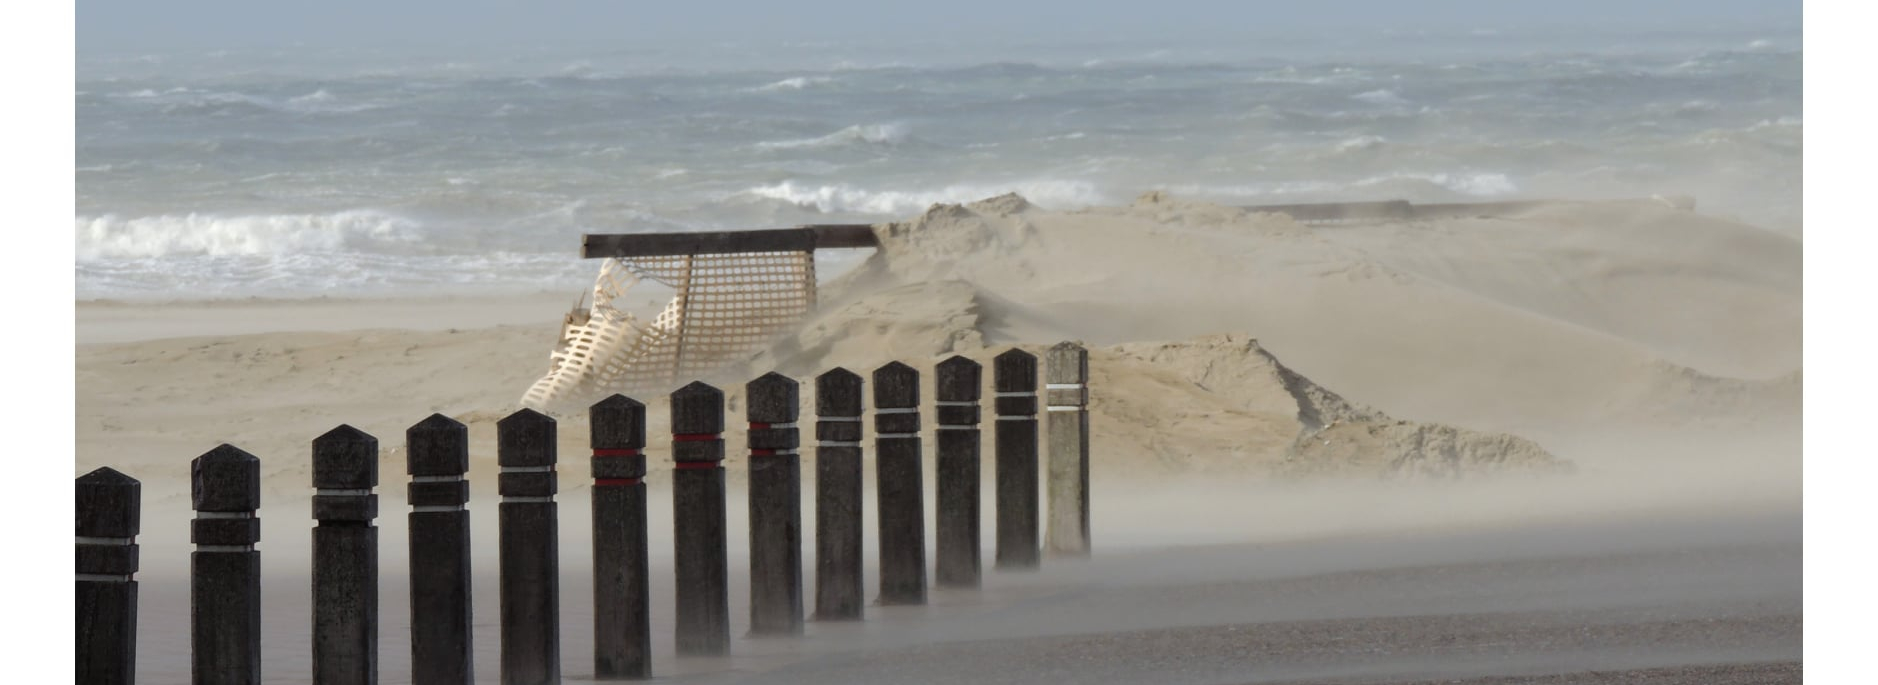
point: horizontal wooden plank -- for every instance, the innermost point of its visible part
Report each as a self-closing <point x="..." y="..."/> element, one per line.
<point x="799" y="239"/>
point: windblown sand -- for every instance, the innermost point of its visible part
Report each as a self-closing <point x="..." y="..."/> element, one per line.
<point x="1255" y="382"/>
<point x="1576" y="338"/>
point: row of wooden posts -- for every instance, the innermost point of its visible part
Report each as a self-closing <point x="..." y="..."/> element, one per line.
<point x="225" y="488"/>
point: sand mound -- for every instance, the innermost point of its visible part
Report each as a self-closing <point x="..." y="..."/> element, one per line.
<point x="1214" y="404"/>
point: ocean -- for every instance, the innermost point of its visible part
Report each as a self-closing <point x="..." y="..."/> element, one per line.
<point x="291" y="172"/>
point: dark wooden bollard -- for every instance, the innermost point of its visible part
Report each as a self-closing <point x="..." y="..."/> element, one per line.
<point x="225" y="570"/>
<point x="899" y="480"/>
<point x="529" y="531"/>
<point x="345" y="558"/>
<point x="108" y="505"/>
<point x="622" y="615"/>
<point x="1066" y="386"/>
<point x="838" y="487"/>
<point x="956" y="382"/>
<point x="1014" y="378"/>
<point x="772" y="403"/>
<point x="703" y="621"/>
<point x="437" y="456"/>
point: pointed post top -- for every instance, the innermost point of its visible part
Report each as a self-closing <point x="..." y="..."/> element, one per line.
<point x="525" y="438"/>
<point x="105" y="475"/>
<point x="437" y="446"/>
<point x="225" y="479"/>
<point x="698" y="408"/>
<point x="617" y="422"/>
<point x="1014" y="371"/>
<point x="838" y="393"/>
<point x="107" y="503"/>
<point x="1066" y="362"/>
<point x="346" y="458"/>
<point x="896" y="385"/>
<point x="957" y="379"/>
<point x="772" y="398"/>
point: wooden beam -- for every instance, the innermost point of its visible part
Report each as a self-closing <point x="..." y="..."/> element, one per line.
<point x="800" y="239"/>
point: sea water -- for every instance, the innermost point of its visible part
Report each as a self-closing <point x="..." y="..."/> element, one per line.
<point x="297" y="171"/>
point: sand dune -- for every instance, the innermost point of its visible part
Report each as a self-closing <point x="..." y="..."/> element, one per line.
<point x="1597" y="333"/>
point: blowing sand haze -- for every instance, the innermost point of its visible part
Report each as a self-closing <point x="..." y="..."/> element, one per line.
<point x="1531" y="414"/>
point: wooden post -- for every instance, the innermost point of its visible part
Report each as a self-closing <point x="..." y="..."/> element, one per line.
<point x="957" y="383"/>
<point x="838" y="485"/>
<point x="703" y="621"/>
<point x="622" y="613"/>
<point x="225" y="570"/>
<point x="772" y="404"/>
<point x="529" y="530"/>
<point x="108" y="505"/>
<point x="437" y="456"/>
<point x="899" y="482"/>
<point x="1066" y="378"/>
<point x="345" y="558"/>
<point x="1014" y="378"/>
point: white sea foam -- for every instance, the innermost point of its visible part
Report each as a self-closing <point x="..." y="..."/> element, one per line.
<point x="1480" y="184"/>
<point x="844" y="198"/>
<point x="112" y="237"/>
<point x="868" y="134"/>
<point x="795" y="83"/>
<point x="1380" y="97"/>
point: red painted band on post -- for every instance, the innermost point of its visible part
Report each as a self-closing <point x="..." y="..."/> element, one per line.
<point x="762" y="453"/>
<point x="598" y="482"/>
<point x="695" y="437"/>
<point x="690" y="465"/>
<point x="615" y="452"/>
<point x="758" y="426"/>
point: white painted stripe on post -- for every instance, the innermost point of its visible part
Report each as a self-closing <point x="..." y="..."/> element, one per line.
<point x="839" y="419"/>
<point x="224" y="548"/>
<point x="527" y="469"/>
<point x="887" y="436"/>
<point x="437" y="479"/>
<point x="956" y="403"/>
<point x="102" y="578"/>
<point x="1069" y="408"/>
<point x="224" y="514"/>
<point x="775" y="426"/>
<point x="1064" y="386"/>
<point x="1019" y="417"/>
<point x="897" y="410"/>
<point x="958" y="427"/>
<point x="116" y="542"/>
<point x="1016" y="393"/>
<point x="509" y="499"/>
<point x="839" y="443"/>
<point x="342" y="492"/>
<point x="433" y="508"/>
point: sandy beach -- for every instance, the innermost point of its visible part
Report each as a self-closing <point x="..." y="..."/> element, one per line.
<point x="1465" y="450"/>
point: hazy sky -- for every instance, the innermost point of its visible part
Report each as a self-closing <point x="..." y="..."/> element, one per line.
<point x="103" y="25"/>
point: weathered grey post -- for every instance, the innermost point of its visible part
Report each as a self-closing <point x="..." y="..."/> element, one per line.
<point x="1066" y="387"/>
<point x="108" y="505"/>
<point x="773" y="402"/>
<point x="838" y="540"/>
<point x="622" y="615"/>
<point x="437" y="456"/>
<point x="703" y="621"/>
<point x="345" y="558"/>
<point x="225" y="570"/>
<point x="899" y="480"/>
<point x="529" y="528"/>
<point x="1014" y="379"/>
<point x="957" y="381"/>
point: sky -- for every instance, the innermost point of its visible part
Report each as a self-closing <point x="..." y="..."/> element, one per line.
<point x="111" y="25"/>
